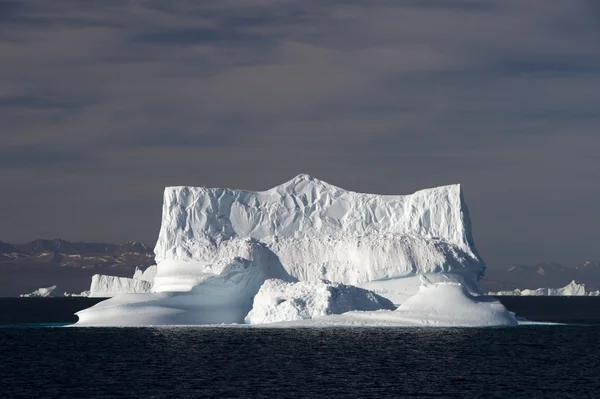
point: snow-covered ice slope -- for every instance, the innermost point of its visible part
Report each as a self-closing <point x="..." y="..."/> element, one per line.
<point x="318" y="231"/>
<point x="278" y="300"/>
<point x="103" y="286"/>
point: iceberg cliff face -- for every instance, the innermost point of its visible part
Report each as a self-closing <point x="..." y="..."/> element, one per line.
<point x="319" y="231"/>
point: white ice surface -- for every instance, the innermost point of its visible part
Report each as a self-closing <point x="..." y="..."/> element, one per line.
<point x="278" y="300"/>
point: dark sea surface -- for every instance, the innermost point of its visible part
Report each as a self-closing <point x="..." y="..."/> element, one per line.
<point x="193" y="362"/>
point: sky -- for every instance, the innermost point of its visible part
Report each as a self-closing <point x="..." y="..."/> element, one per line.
<point x="104" y="103"/>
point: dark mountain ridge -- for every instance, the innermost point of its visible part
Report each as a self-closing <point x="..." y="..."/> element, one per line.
<point x="71" y="265"/>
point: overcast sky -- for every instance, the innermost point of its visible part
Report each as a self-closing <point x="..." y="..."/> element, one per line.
<point x="104" y="103"/>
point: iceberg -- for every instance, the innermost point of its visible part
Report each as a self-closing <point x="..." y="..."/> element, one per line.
<point x="571" y="289"/>
<point x="320" y="231"/>
<point x="104" y="286"/>
<point x="41" y="292"/>
<point x="278" y="300"/>
<point x="217" y="247"/>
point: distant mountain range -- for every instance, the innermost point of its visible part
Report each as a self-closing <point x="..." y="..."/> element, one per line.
<point x="71" y="265"/>
<point x="542" y="275"/>
<point x="78" y="254"/>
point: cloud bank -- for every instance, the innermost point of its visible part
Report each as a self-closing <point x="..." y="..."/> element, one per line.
<point x="103" y="103"/>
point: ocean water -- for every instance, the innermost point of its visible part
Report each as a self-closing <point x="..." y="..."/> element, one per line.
<point x="192" y="362"/>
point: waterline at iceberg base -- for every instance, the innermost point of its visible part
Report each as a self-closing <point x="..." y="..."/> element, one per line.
<point x="307" y="253"/>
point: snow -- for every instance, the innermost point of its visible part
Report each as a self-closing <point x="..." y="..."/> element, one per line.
<point x="278" y="300"/>
<point x="103" y="286"/>
<point x="41" y="292"/>
<point x="218" y="247"/>
<point x="571" y="289"/>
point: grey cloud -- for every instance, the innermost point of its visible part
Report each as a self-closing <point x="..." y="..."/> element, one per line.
<point x="387" y="97"/>
<point x="49" y="156"/>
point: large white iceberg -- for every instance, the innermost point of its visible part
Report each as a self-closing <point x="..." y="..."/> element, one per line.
<point x="278" y="300"/>
<point x="216" y="248"/>
<point x="319" y="231"/>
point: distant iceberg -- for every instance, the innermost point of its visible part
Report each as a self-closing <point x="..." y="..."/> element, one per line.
<point x="571" y="289"/>
<point x="217" y="248"/>
<point x="103" y="286"/>
<point x="41" y="292"/>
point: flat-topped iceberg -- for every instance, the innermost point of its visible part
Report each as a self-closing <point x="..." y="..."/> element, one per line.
<point x="104" y="286"/>
<point x="217" y="247"/>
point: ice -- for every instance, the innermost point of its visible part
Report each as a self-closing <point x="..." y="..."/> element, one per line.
<point x="279" y="300"/>
<point x="571" y="289"/>
<point x="217" y="247"/>
<point x="222" y="293"/>
<point x="322" y="231"/>
<point x="103" y="286"/>
<point x="442" y="304"/>
<point x="41" y="292"/>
